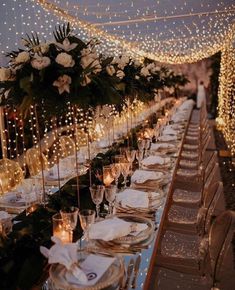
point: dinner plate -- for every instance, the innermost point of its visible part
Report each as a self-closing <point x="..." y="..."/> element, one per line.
<point x="111" y="278"/>
<point x="135" y="238"/>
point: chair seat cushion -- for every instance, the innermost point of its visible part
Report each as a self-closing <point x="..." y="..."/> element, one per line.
<point x="182" y="215"/>
<point x="185" y="196"/>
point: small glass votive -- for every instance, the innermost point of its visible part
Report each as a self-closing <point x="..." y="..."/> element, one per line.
<point x="60" y="229"/>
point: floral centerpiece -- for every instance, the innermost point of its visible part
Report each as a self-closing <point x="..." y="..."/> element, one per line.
<point x="55" y="73"/>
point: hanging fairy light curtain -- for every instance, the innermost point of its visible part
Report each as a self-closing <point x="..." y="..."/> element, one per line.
<point x="226" y="100"/>
<point x="185" y="37"/>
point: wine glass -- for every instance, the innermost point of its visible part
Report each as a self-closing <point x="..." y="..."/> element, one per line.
<point x="139" y="156"/>
<point x="130" y="156"/>
<point x="125" y="169"/>
<point x="147" y="146"/>
<point x="110" y="194"/>
<point x="97" y="195"/>
<point x="108" y="177"/>
<point x="141" y="144"/>
<point x="87" y="218"/>
<point x="70" y="218"/>
<point x="116" y="171"/>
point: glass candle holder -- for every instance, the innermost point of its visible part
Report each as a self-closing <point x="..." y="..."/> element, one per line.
<point x="60" y="229"/>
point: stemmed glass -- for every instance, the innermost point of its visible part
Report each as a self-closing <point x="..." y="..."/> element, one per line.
<point x="87" y="218"/>
<point x="130" y="156"/>
<point x="70" y="218"/>
<point x="108" y="177"/>
<point x="141" y="144"/>
<point x="125" y="169"/>
<point x="97" y="195"/>
<point x="116" y="171"/>
<point x="147" y="146"/>
<point x="110" y="194"/>
<point x="139" y="156"/>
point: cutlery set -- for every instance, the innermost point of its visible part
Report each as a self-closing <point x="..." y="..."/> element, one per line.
<point x="130" y="279"/>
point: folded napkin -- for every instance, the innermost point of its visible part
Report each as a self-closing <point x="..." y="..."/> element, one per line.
<point x="66" y="255"/>
<point x="155" y="160"/>
<point x="166" y="138"/>
<point x="136" y="198"/>
<point x="157" y="146"/>
<point x="4" y="215"/>
<point x="169" y="131"/>
<point x="114" y="228"/>
<point x="140" y="176"/>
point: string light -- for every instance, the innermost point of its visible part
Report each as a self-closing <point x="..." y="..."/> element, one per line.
<point x="226" y="100"/>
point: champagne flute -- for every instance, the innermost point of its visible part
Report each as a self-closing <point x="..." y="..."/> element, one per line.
<point x="87" y="218"/>
<point x="110" y="194"/>
<point x="70" y="218"/>
<point x="139" y="156"/>
<point x="130" y="156"/>
<point x="147" y="146"/>
<point x="141" y="144"/>
<point x="97" y="195"/>
<point x="108" y="177"/>
<point x="125" y="169"/>
<point x="116" y="171"/>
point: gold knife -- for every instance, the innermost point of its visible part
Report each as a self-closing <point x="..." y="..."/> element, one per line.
<point x="136" y="272"/>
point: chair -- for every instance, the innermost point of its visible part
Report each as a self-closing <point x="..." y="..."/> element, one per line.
<point x="187" y="252"/>
<point x="36" y="161"/>
<point x="220" y="267"/>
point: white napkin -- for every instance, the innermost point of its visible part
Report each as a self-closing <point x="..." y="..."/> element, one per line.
<point x="4" y="215"/>
<point x="157" y="146"/>
<point x="169" y="131"/>
<point x="140" y="176"/>
<point x="65" y="254"/>
<point x="135" y="198"/>
<point x="165" y="138"/>
<point x="154" y="160"/>
<point x="114" y="228"/>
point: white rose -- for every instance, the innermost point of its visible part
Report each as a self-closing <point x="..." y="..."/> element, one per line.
<point x="110" y="70"/>
<point x="137" y="77"/>
<point x="144" y="71"/>
<point x="65" y="59"/>
<point x="5" y="74"/>
<point x="40" y="62"/>
<point x="137" y="63"/>
<point x="44" y="48"/>
<point x="120" y="74"/>
<point x="121" y="65"/>
<point x="22" y="57"/>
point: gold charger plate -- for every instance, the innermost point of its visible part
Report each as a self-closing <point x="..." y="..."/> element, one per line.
<point x="111" y="278"/>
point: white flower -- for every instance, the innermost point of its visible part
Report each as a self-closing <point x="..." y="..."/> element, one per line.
<point x="22" y="57"/>
<point x="86" y="80"/>
<point x="40" y="62"/>
<point x="120" y="74"/>
<point x="144" y="71"/>
<point x="63" y="83"/>
<point x="65" y="59"/>
<point x="137" y="63"/>
<point x="85" y="51"/>
<point x="137" y="77"/>
<point x="121" y="65"/>
<point x="66" y="45"/>
<point x="88" y="61"/>
<point x="125" y="59"/>
<point x="150" y="66"/>
<point x="5" y="74"/>
<point x="44" y="48"/>
<point x="110" y="70"/>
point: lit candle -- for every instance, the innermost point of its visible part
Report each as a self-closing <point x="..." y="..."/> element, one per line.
<point x="62" y="234"/>
<point x="108" y="179"/>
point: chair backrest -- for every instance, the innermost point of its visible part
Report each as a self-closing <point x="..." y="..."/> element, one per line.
<point x="36" y="161"/>
<point x="221" y="250"/>
<point x="216" y="192"/>
<point x="209" y="166"/>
